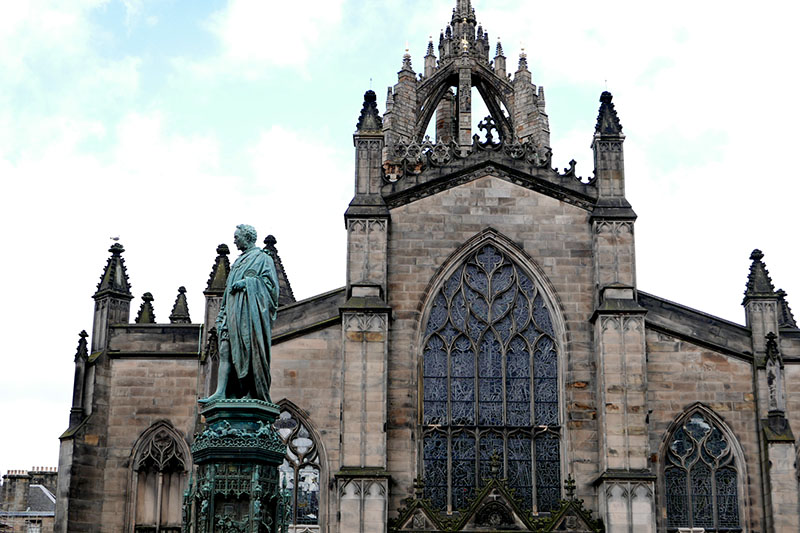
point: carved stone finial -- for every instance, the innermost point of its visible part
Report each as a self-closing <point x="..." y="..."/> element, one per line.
<point x="607" y="120"/>
<point x="219" y="272"/>
<point x="407" y="62"/>
<point x="114" y="279"/>
<point x="430" y="47"/>
<point x="569" y="487"/>
<point x="82" y="352"/>
<point x="419" y="488"/>
<point x="369" y="120"/>
<point x="523" y="60"/>
<point x="785" y="315"/>
<point x="146" y="313"/>
<point x="180" y="311"/>
<point x="759" y="284"/>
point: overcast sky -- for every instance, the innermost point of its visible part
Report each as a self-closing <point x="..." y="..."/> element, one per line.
<point x="167" y="123"/>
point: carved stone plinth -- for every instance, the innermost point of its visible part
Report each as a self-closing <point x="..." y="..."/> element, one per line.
<point x="236" y="489"/>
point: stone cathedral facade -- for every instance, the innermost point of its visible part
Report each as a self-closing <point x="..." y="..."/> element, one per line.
<point x="489" y="364"/>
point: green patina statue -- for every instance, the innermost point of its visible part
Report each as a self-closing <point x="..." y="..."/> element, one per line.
<point x="244" y="323"/>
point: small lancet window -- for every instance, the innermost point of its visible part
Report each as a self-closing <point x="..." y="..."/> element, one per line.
<point x="701" y="479"/>
<point x="490" y="386"/>
<point x="300" y="472"/>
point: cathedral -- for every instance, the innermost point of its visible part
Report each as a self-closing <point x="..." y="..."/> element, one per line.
<point x="489" y="364"/>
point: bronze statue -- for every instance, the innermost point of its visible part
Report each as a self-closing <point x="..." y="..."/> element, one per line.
<point x="244" y="323"/>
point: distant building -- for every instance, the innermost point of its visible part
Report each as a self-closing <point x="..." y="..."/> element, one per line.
<point x="490" y="363"/>
<point x="27" y="501"/>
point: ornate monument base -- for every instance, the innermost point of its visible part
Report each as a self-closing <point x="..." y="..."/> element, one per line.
<point x="236" y="489"/>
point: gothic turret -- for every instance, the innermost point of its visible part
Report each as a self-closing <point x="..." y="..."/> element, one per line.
<point x="112" y="299"/>
<point x="609" y="162"/>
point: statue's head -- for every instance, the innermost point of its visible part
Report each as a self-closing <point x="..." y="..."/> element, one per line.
<point x="245" y="237"/>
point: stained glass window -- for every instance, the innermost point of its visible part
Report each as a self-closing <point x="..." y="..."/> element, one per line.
<point x="700" y="478"/>
<point x="490" y="386"/>
<point x="300" y="470"/>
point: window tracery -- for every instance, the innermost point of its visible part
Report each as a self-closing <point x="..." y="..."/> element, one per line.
<point x="160" y="465"/>
<point x="701" y="478"/>
<point x="490" y="385"/>
<point x="300" y="471"/>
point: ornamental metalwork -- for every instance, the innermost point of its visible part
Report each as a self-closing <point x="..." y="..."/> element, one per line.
<point x="490" y="386"/>
<point x="300" y="471"/>
<point x="701" y="478"/>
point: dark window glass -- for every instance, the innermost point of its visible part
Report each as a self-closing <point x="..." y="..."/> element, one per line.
<point x="700" y="478"/>
<point x="490" y="386"/>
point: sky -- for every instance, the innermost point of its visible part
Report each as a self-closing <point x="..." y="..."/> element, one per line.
<point x="166" y="123"/>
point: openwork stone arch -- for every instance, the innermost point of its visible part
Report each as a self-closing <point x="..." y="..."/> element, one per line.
<point x="160" y="462"/>
<point x="491" y="353"/>
<point x="702" y="474"/>
<point x="304" y="471"/>
<point x="492" y="89"/>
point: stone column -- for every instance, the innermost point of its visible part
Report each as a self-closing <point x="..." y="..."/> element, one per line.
<point x="362" y="482"/>
<point x="778" y="468"/>
<point x="465" y="105"/>
<point x="627" y="485"/>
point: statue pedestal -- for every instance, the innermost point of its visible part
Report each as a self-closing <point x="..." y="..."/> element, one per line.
<point x="236" y="489"/>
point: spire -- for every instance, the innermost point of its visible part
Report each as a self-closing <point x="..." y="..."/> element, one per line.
<point x="180" y="311"/>
<point x="115" y="277"/>
<point x="285" y="293"/>
<point x="499" y="50"/>
<point x="785" y="316"/>
<point x="82" y="353"/>
<point x="759" y="284"/>
<point x="219" y="272"/>
<point x="430" y="47"/>
<point x="370" y="119"/>
<point x="146" y="313"/>
<point x="607" y="120"/>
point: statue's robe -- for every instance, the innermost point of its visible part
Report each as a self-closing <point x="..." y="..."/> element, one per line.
<point x="245" y="319"/>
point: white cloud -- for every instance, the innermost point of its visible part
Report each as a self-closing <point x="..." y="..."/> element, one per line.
<point x="256" y="35"/>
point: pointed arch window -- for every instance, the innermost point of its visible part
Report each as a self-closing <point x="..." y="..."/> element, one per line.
<point x="701" y="478"/>
<point x="300" y="471"/>
<point x="490" y="386"/>
<point x="160" y="467"/>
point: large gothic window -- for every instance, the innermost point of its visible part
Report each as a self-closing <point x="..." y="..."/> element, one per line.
<point x="700" y="478"/>
<point x="160" y="466"/>
<point x="300" y="472"/>
<point x="490" y="386"/>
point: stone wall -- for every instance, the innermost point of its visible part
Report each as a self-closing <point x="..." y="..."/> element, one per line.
<point x="307" y="372"/>
<point x="557" y="236"/>
<point x="681" y="374"/>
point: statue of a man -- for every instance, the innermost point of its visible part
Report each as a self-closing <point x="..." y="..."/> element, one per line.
<point x="244" y="322"/>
